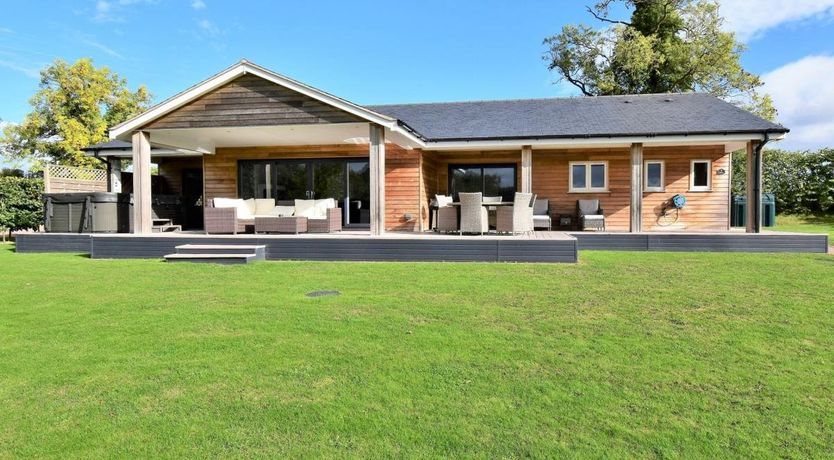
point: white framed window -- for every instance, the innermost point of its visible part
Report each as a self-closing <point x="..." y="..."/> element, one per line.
<point x="654" y="175"/>
<point x="588" y="176"/>
<point x="700" y="176"/>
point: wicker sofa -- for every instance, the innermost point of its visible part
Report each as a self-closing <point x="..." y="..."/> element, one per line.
<point x="234" y="215"/>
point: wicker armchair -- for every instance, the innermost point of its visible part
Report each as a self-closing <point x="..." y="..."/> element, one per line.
<point x="589" y="214"/>
<point x="333" y="222"/>
<point x="519" y="217"/>
<point x="447" y="215"/>
<point x="541" y="214"/>
<point x="474" y="217"/>
<point x="225" y="220"/>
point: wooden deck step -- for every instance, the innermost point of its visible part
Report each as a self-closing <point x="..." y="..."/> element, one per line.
<point x="258" y="250"/>
<point x="229" y="258"/>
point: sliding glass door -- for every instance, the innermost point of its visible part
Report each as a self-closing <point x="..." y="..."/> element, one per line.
<point x="345" y="180"/>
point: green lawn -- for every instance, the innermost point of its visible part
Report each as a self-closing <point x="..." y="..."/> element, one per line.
<point x="807" y="224"/>
<point x="622" y="355"/>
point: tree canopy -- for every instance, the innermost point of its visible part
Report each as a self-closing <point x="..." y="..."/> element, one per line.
<point x="665" y="46"/>
<point x="73" y="107"/>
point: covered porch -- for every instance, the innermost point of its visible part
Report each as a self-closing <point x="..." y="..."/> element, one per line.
<point x="259" y="135"/>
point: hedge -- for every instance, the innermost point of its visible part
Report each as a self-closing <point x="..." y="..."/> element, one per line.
<point x="803" y="182"/>
<point x="21" y="207"/>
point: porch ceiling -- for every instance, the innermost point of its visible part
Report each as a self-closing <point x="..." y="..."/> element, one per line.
<point x="206" y="140"/>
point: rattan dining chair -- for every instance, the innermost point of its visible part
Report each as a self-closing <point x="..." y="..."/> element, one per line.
<point x="473" y="215"/>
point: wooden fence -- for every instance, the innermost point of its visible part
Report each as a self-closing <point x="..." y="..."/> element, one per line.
<point x="61" y="179"/>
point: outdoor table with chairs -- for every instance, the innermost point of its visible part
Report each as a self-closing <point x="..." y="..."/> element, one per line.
<point x="478" y="214"/>
<point x="474" y="213"/>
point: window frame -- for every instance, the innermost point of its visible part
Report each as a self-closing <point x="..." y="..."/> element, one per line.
<point x="588" y="187"/>
<point x="482" y="166"/>
<point x="700" y="188"/>
<point x="662" y="187"/>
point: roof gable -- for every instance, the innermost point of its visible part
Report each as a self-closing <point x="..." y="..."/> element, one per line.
<point x="124" y="130"/>
<point x="250" y="100"/>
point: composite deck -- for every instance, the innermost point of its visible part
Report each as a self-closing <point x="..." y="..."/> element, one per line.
<point x="343" y="246"/>
<point x="428" y="247"/>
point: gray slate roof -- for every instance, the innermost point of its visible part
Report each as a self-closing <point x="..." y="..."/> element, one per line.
<point x="604" y="116"/>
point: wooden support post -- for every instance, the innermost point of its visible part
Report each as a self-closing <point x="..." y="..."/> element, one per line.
<point x="141" y="182"/>
<point x="377" y="163"/>
<point x="636" y="217"/>
<point x="47" y="179"/>
<point x="754" y="188"/>
<point x="526" y="169"/>
<point x="114" y="175"/>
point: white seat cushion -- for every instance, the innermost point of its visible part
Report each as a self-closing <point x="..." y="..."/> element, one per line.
<point x="305" y="208"/>
<point x="443" y="200"/>
<point x="322" y="206"/>
<point x="264" y="206"/>
<point x="226" y="202"/>
<point x="283" y="211"/>
<point x="246" y="209"/>
<point x="594" y="217"/>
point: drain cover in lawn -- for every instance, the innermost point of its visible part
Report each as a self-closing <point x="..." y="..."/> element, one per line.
<point x="321" y="293"/>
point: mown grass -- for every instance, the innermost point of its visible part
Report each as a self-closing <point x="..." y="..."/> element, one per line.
<point x="622" y="355"/>
<point x="823" y="223"/>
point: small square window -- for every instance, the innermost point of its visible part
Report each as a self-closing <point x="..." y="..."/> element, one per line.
<point x="700" y="176"/>
<point x="653" y="176"/>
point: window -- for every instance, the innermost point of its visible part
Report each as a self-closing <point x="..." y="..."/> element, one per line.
<point x="653" y="176"/>
<point x="490" y="180"/>
<point x="700" y="176"/>
<point x="588" y="176"/>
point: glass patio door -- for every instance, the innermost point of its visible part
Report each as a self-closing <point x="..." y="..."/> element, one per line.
<point x="345" y="180"/>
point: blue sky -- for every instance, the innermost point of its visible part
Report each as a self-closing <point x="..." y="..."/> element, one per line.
<point x="373" y="52"/>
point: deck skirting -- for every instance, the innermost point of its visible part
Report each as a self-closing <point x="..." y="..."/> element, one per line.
<point x="408" y="247"/>
<point x="703" y="242"/>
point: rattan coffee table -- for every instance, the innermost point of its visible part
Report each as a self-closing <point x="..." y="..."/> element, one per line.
<point x="281" y="225"/>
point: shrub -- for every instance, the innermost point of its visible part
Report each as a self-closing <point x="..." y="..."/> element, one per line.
<point x="803" y="182"/>
<point x="21" y="207"/>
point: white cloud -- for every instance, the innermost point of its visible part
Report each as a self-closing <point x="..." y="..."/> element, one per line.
<point x="805" y="101"/>
<point x="198" y="4"/>
<point x="750" y="18"/>
<point x="104" y="48"/>
<point x="28" y="70"/>
<point x="209" y="28"/>
<point x="112" y="10"/>
<point x="105" y="12"/>
<point x="6" y="30"/>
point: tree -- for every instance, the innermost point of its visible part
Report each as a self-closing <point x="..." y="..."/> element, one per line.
<point x="21" y="207"/>
<point x="72" y="109"/>
<point x="666" y="46"/>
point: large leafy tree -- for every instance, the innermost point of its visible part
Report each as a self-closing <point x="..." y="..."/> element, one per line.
<point x="72" y="109"/>
<point x="665" y="46"/>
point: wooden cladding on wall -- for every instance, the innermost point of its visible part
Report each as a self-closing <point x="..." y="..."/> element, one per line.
<point x="251" y="101"/>
<point x="704" y="210"/>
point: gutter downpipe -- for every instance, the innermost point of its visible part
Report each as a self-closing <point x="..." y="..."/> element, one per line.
<point x="757" y="183"/>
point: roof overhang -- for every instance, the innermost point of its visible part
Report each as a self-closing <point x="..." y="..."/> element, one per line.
<point x="207" y="140"/>
<point x="125" y="130"/>
<point x="731" y="142"/>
